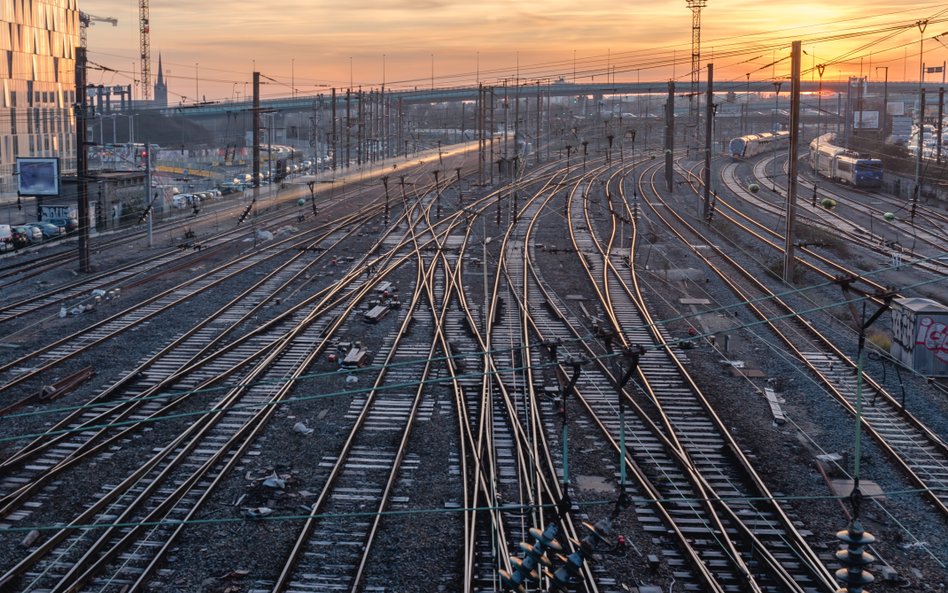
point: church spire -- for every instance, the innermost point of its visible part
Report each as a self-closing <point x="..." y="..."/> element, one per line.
<point x="161" y="89"/>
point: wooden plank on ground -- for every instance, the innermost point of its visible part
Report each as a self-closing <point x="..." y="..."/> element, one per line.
<point x="775" y="408"/>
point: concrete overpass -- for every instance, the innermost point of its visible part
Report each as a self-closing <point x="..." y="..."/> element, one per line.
<point x="528" y="89"/>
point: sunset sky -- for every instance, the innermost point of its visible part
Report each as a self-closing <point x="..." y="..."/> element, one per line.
<point x="210" y="48"/>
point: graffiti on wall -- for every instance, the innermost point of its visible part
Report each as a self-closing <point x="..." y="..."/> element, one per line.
<point x="933" y="336"/>
<point x="903" y="329"/>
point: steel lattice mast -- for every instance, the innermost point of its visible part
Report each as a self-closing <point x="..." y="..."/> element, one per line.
<point x="695" y="6"/>
<point x="143" y="31"/>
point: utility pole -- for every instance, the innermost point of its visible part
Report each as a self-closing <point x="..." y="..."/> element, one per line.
<point x="348" y="127"/>
<point x="480" y="134"/>
<point x="332" y="137"/>
<point x="82" y="163"/>
<point x="940" y="125"/>
<point x="670" y="136"/>
<point x="918" y="153"/>
<point x="708" y="144"/>
<point x="491" y="135"/>
<point x="885" y="101"/>
<point x="788" y="263"/>
<point x="536" y="144"/>
<point x="149" y="200"/>
<point x="255" y="135"/>
<point x="922" y="25"/>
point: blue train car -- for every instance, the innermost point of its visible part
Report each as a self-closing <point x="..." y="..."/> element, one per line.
<point x="839" y="164"/>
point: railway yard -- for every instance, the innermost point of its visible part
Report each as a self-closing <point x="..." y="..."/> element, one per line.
<point x="387" y="389"/>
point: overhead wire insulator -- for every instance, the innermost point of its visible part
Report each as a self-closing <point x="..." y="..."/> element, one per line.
<point x="535" y="556"/>
<point x="571" y="565"/>
<point x="245" y="213"/>
<point x="854" y="558"/>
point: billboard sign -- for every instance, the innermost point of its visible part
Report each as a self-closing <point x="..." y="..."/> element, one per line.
<point x="37" y="176"/>
<point x="866" y="120"/>
<point x="902" y="127"/>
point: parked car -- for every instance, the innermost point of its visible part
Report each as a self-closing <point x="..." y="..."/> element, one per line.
<point x="6" y="237"/>
<point x="48" y="230"/>
<point x="20" y="239"/>
<point x="33" y="234"/>
<point x="69" y="224"/>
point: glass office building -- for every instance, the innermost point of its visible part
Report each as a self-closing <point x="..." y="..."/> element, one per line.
<point x="38" y="40"/>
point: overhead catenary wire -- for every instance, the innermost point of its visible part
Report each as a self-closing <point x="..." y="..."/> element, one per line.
<point x="620" y="62"/>
<point x="299" y="399"/>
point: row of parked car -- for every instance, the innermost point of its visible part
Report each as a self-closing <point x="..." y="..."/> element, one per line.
<point x="31" y="233"/>
<point x="194" y="199"/>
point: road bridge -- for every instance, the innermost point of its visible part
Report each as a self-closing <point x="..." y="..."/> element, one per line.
<point x="525" y="88"/>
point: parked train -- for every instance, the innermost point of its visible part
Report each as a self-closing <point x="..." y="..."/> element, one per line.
<point x="840" y="164"/>
<point x="752" y="145"/>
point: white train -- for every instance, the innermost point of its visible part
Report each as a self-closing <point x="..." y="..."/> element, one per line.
<point x="752" y="145"/>
<point x="840" y="164"/>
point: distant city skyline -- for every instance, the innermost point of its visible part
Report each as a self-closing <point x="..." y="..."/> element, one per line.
<point x="210" y="49"/>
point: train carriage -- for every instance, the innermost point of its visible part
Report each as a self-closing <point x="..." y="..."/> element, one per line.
<point x="839" y="164"/>
<point x="751" y="145"/>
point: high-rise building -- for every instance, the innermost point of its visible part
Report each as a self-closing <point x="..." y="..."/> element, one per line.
<point x="38" y="40"/>
<point x="161" y="88"/>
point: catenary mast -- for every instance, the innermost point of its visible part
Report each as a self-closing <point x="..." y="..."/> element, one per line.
<point x="695" y="6"/>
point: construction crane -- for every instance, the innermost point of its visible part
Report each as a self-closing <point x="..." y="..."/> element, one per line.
<point x="145" y="46"/>
<point x="86" y="19"/>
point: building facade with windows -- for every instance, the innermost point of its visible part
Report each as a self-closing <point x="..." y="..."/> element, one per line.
<point x="38" y="40"/>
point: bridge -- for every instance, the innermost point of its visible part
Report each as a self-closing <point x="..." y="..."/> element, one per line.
<point x="554" y="88"/>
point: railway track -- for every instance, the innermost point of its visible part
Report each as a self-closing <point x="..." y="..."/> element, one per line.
<point x="768" y="552"/>
<point x="905" y="235"/>
<point x="916" y="448"/>
<point x="436" y="460"/>
<point x="147" y="270"/>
